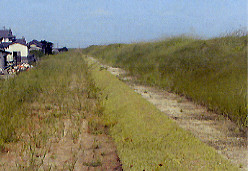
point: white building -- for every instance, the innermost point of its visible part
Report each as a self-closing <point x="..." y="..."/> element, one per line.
<point x="19" y="51"/>
<point x="17" y="47"/>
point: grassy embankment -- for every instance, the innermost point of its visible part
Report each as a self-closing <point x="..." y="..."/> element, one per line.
<point x="147" y="139"/>
<point x="35" y="105"/>
<point x="211" y="72"/>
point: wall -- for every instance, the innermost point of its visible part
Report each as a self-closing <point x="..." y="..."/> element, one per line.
<point x="17" y="47"/>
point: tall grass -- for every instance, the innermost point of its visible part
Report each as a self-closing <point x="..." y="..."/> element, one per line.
<point x="47" y="84"/>
<point x="211" y="72"/>
<point x="146" y="139"/>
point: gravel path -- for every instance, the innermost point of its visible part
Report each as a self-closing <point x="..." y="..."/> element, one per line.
<point x="213" y="129"/>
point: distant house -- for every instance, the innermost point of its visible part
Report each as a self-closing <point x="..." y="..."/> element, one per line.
<point x="19" y="50"/>
<point x="64" y="49"/>
<point x="35" y="45"/>
<point x="58" y="50"/>
<point x="6" y="36"/>
<point x="3" y="58"/>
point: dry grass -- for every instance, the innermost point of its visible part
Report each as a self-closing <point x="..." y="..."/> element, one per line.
<point x="52" y="112"/>
<point x="146" y="138"/>
<point x="211" y="72"/>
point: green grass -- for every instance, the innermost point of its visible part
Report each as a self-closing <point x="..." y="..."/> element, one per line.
<point x="46" y="88"/>
<point x="211" y="72"/>
<point x="62" y="87"/>
<point x="145" y="137"/>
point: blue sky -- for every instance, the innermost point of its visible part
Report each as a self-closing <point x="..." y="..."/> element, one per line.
<point x="79" y="23"/>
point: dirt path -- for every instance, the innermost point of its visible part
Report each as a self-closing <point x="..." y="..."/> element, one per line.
<point x="87" y="152"/>
<point x="213" y="129"/>
<point x="57" y="139"/>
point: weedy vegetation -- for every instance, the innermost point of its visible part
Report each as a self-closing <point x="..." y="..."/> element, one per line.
<point x="43" y="108"/>
<point x="211" y="72"/>
<point x="147" y="139"/>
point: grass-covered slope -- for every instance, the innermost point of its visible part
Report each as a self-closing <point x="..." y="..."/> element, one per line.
<point x="147" y="139"/>
<point x="211" y="72"/>
<point x="50" y="119"/>
<point x="47" y="84"/>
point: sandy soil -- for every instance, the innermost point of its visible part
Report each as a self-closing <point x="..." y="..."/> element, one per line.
<point x="213" y="129"/>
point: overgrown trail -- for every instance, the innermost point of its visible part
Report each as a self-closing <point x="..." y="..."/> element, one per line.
<point x="62" y="128"/>
<point x="213" y="129"/>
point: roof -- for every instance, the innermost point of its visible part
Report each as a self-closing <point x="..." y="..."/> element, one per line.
<point x="20" y="41"/>
<point x="6" y="34"/>
<point x="5" y="45"/>
<point x="64" y="49"/>
<point x="35" y="42"/>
